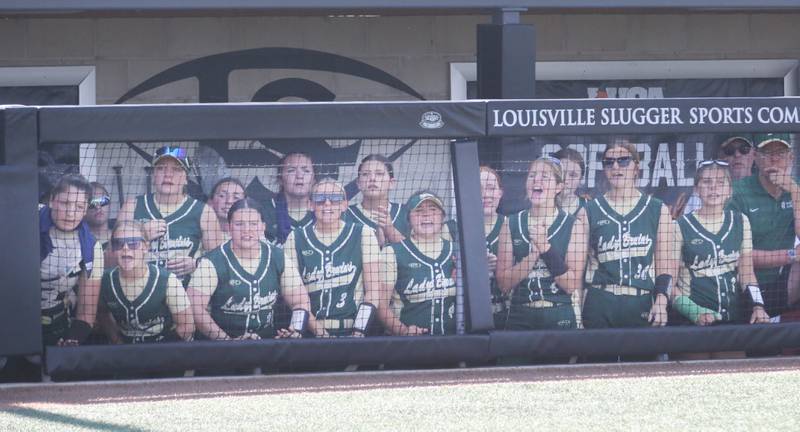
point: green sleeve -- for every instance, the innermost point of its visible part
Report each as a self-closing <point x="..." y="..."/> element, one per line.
<point x="692" y="310"/>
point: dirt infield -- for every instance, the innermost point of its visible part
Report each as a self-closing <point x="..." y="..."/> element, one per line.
<point x="200" y="388"/>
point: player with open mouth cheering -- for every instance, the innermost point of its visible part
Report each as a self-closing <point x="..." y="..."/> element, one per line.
<point x="542" y="255"/>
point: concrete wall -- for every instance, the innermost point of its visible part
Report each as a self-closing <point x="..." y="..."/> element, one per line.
<point x="417" y="50"/>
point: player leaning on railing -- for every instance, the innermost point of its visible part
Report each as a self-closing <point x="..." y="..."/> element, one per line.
<point x="146" y="302"/>
<point x="375" y="181"/>
<point x="71" y="263"/>
<point x="716" y="256"/>
<point x="235" y="287"/>
<point x="633" y="254"/>
<point x="771" y="200"/>
<point x="336" y="260"/>
<point x="542" y="255"/>
<point x="418" y="275"/>
<point x="175" y="224"/>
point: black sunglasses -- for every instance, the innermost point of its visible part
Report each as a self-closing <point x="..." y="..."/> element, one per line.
<point x="98" y="202"/>
<point x="623" y="161"/>
<point x="320" y="198"/>
<point x="133" y="243"/>
<point x="743" y="149"/>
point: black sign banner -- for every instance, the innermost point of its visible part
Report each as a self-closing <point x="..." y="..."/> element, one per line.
<point x="637" y="116"/>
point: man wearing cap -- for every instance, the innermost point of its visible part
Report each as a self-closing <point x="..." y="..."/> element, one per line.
<point x="738" y="152"/>
<point x="418" y="275"/>
<point x="173" y="222"/>
<point x="771" y="200"/>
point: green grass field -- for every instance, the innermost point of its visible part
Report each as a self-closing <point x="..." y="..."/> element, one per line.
<point x="724" y="402"/>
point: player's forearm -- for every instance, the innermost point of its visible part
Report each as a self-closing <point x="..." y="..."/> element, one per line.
<point x="770" y="258"/>
<point x="508" y="278"/>
<point x="88" y="297"/>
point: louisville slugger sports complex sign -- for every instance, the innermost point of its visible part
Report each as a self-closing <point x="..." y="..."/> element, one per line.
<point x="641" y="116"/>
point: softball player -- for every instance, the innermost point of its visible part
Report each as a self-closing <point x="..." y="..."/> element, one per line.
<point x="147" y="303"/>
<point x="542" y="255"/>
<point x="418" y="275"/>
<point x="375" y="181"/>
<point x="173" y="223"/>
<point x="291" y="208"/>
<point x="491" y="193"/>
<point x="633" y="254"/>
<point x="574" y="168"/>
<point x="236" y="286"/>
<point x="771" y="201"/>
<point x="223" y="195"/>
<point x="331" y="255"/>
<point x="71" y="263"/>
<point x="716" y="255"/>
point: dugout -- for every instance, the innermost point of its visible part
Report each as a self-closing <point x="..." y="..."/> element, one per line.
<point x="462" y="125"/>
<point x="124" y="64"/>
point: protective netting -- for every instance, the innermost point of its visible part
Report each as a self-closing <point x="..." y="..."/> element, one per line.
<point x="251" y="240"/>
<point x="334" y="238"/>
<point x="634" y="231"/>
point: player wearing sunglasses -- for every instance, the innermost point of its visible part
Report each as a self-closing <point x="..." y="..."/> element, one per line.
<point x="632" y="252"/>
<point x="147" y="303"/>
<point x="771" y="200"/>
<point x="336" y="260"/>
<point x="542" y="255"/>
<point x="375" y="181"/>
<point x="417" y="283"/>
<point x="236" y="286"/>
<point x="716" y="255"/>
<point x="175" y="224"/>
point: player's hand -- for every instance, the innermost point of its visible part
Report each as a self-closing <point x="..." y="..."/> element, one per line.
<point x="538" y="235"/>
<point x="67" y="342"/>
<point x="289" y="333"/>
<point x="706" y="319"/>
<point x="381" y="217"/>
<point x="413" y="330"/>
<point x="759" y="316"/>
<point x="321" y="332"/>
<point x="154" y="229"/>
<point x="783" y="179"/>
<point x="491" y="259"/>
<point x="357" y="334"/>
<point x="181" y="266"/>
<point x="658" y="312"/>
<point x="248" y="336"/>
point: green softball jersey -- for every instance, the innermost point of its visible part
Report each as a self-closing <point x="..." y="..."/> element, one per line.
<point x="332" y="273"/>
<point x="243" y="302"/>
<point x="398" y="214"/>
<point x="622" y="247"/>
<point x="771" y="221"/>
<point x="425" y="287"/>
<point x="184" y="232"/>
<point x="147" y="317"/>
<point x="539" y="284"/>
<point x="709" y="263"/>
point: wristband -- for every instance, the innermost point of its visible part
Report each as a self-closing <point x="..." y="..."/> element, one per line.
<point x="663" y="284"/>
<point x="755" y="295"/>
<point x="792" y="254"/>
<point x="79" y="331"/>
<point x="554" y="262"/>
<point x="299" y="319"/>
<point x="364" y="317"/>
